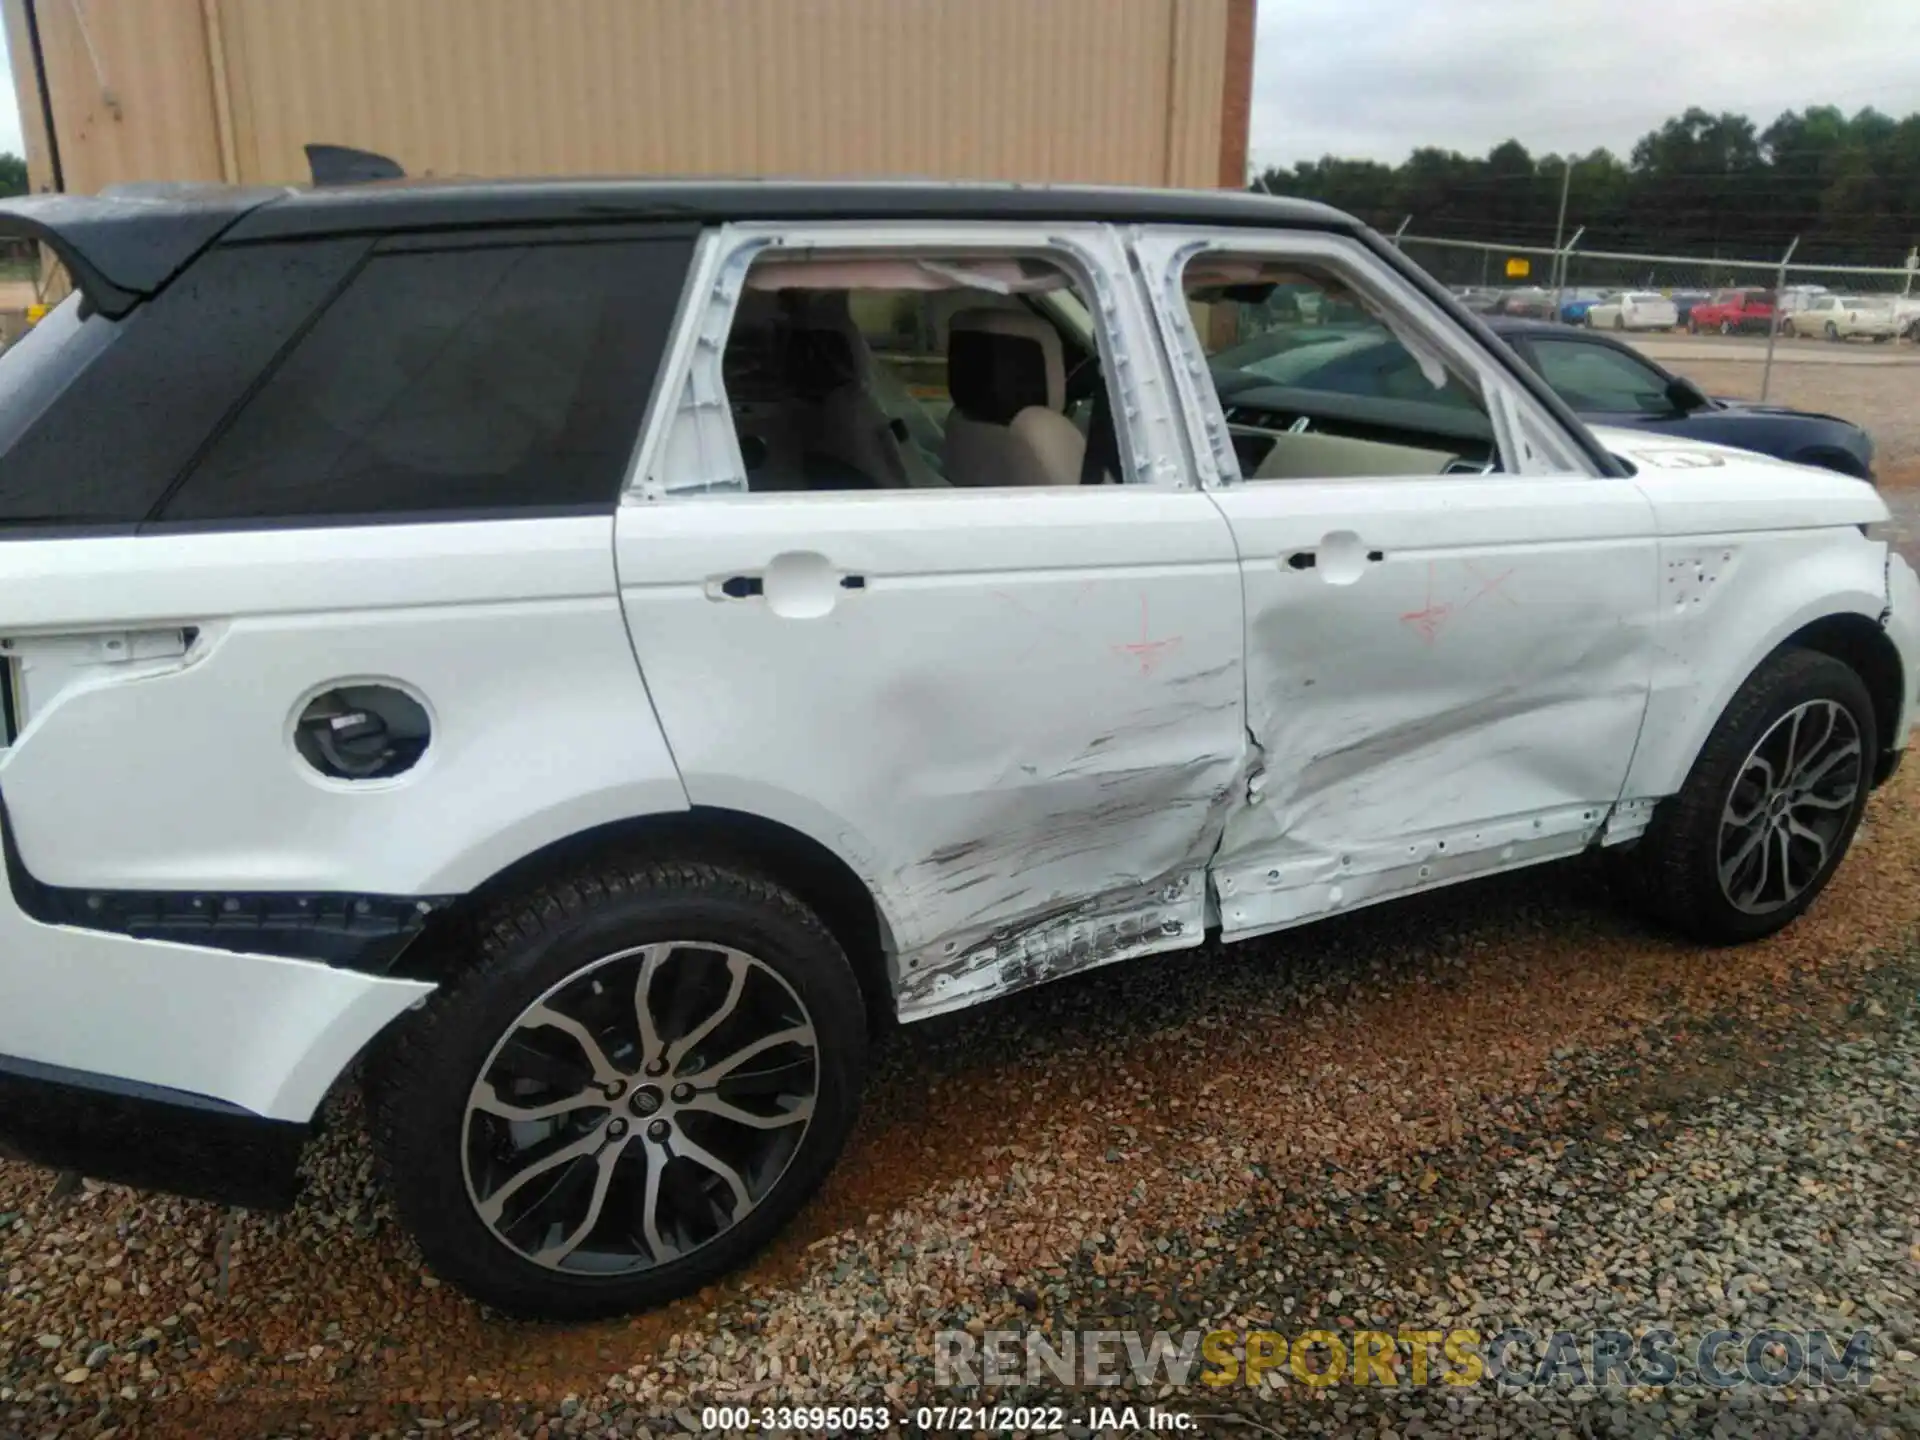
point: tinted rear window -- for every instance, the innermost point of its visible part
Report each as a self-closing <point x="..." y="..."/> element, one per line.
<point x="487" y="379"/>
<point x="98" y="417"/>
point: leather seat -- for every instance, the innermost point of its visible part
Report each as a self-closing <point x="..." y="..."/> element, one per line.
<point x="1008" y="425"/>
<point x="830" y="366"/>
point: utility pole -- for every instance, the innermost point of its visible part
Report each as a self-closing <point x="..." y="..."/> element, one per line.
<point x="1773" y="325"/>
<point x="1560" y="263"/>
<point x="1566" y="184"/>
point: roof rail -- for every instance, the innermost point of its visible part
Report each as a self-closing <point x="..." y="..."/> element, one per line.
<point x="343" y="165"/>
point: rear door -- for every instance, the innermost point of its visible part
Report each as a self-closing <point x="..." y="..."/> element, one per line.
<point x="1015" y="712"/>
<point x="1448" y="614"/>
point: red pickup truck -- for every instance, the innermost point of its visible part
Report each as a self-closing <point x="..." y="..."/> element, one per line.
<point x="1732" y="310"/>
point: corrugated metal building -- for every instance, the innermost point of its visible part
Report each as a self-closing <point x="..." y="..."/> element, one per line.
<point x="1152" y="92"/>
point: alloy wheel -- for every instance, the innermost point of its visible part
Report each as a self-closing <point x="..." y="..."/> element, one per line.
<point x="640" y="1108"/>
<point x="1789" y="806"/>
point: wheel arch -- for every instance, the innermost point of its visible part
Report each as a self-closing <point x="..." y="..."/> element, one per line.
<point x="821" y="878"/>
<point x="1839" y="612"/>
<point x="1863" y="646"/>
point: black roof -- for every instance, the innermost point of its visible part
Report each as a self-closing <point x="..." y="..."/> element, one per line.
<point x="128" y="242"/>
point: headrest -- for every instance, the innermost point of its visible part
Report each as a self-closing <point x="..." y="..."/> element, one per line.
<point x="820" y="354"/>
<point x="1000" y="362"/>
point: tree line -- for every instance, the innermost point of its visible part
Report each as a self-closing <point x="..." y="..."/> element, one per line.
<point x="13" y="174"/>
<point x="1701" y="184"/>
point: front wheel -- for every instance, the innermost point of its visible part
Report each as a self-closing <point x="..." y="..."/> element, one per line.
<point x="1726" y="327"/>
<point x="644" y="1074"/>
<point x="1619" y="322"/>
<point x="1770" y="806"/>
<point x="1693" y="326"/>
<point x="1833" y="332"/>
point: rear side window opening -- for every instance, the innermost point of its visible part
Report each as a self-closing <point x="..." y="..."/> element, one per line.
<point x="898" y="369"/>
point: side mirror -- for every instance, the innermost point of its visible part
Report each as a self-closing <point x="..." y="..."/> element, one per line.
<point x="1685" y="396"/>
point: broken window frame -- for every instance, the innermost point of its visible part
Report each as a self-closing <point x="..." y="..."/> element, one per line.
<point x="1527" y="439"/>
<point x="688" y="448"/>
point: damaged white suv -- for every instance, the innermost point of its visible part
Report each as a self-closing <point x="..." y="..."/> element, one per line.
<point x="596" y="647"/>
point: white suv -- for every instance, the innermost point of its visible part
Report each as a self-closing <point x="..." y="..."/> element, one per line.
<point x="599" y="647"/>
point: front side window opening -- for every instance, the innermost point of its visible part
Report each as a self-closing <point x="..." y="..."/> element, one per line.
<point x="1316" y="379"/>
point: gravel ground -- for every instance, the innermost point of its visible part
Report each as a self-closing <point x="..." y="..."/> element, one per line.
<point x="1502" y="1102"/>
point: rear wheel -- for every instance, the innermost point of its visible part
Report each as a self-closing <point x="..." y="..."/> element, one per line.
<point x="645" y="1074"/>
<point x="1693" y="326"/>
<point x="1833" y="331"/>
<point x="1619" y="322"/>
<point x="1726" y="327"/>
<point x="1770" y="806"/>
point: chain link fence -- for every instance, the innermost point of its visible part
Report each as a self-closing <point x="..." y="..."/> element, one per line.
<point x="1544" y="283"/>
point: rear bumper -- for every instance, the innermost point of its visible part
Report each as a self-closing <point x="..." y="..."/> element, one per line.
<point x="147" y="1136"/>
<point x="257" y="1033"/>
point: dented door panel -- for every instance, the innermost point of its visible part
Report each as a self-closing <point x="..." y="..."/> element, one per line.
<point x="1022" y="729"/>
<point x="1463" y="697"/>
<point x="1446" y="674"/>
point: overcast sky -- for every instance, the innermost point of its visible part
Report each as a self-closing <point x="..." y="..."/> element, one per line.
<point x="1374" y="78"/>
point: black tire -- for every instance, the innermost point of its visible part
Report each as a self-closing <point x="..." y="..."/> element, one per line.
<point x="1726" y="327"/>
<point x="1693" y="326"/>
<point x="426" y="1074"/>
<point x="1675" y="869"/>
<point x="1833" y="332"/>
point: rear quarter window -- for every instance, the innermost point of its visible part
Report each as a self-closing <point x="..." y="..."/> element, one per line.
<point x="488" y="379"/>
<point x="98" y="417"/>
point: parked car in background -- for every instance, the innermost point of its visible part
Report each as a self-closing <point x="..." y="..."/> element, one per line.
<point x="1842" y="317"/>
<point x="1477" y="298"/>
<point x="1528" y="301"/>
<point x="1795" y="298"/>
<point x="1634" y="310"/>
<point x="1684" y="301"/>
<point x="1732" y="312"/>
<point x="1608" y="382"/>
<point x="1573" y="309"/>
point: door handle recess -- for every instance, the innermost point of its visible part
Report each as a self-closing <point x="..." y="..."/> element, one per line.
<point x="1306" y="559"/>
<point x="740" y="587"/>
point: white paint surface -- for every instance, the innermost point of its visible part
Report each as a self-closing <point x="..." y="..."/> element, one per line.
<point x="266" y="1034"/>
<point x="1027" y="720"/>
<point x="1477" y="685"/>
<point x="182" y="773"/>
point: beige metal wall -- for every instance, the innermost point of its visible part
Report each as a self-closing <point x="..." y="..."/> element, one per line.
<point x="1125" y="91"/>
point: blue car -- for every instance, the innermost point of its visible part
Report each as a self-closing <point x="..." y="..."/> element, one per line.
<point x="1574" y="312"/>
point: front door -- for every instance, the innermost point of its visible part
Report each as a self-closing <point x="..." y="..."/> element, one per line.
<point x="1608" y="385"/>
<point x="1448" y="622"/>
<point x="1010" y="701"/>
